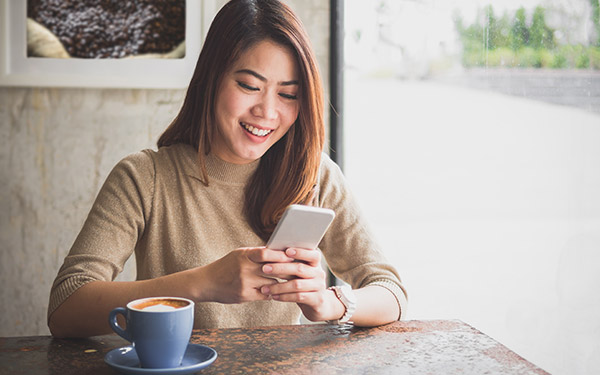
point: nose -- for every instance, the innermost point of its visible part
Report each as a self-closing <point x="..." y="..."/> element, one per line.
<point x="266" y="107"/>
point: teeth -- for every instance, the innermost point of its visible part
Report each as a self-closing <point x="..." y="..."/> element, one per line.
<point x="256" y="131"/>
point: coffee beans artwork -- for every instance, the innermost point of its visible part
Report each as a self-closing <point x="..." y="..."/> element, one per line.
<point x="107" y="28"/>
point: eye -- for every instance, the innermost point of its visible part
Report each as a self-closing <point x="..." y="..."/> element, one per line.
<point x="288" y="96"/>
<point x="247" y="87"/>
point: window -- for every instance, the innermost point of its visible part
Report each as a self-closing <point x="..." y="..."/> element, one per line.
<point x="471" y="140"/>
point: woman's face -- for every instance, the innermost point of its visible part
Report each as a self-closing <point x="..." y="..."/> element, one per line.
<point x="256" y="104"/>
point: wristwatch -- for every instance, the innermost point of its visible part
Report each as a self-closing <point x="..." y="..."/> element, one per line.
<point x="346" y="295"/>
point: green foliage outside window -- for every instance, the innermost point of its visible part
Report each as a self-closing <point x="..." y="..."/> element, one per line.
<point x="513" y="42"/>
<point x="596" y="19"/>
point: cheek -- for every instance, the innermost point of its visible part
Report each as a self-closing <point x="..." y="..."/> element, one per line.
<point x="231" y="104"/>
<point x="291" y="114"/>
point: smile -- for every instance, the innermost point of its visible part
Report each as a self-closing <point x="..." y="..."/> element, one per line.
<point x="255" y="131"/>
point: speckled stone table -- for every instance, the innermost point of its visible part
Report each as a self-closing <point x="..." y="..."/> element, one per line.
<point x="410" y="347"/>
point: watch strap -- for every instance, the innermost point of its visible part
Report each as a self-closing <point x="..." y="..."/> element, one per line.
<point x="346" y="296"/>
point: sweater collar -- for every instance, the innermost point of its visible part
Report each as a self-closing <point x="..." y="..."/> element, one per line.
<point x="219" y="169"/>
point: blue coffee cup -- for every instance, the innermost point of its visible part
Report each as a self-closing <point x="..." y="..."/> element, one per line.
<point x="159" y="328"/>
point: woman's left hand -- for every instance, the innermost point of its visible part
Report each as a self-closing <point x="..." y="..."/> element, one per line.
<point x="305" y="285"/>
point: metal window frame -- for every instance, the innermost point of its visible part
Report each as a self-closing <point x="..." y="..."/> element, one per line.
<point x="336" y="92"/>
<point x="336" y="81"/>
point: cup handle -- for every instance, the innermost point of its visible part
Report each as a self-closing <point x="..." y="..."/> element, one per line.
<point x="112" y="321"/>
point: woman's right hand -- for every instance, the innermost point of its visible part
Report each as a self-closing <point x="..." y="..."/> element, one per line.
<point x="238" y="277"/>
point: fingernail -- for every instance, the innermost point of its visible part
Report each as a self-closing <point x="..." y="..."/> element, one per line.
<point x="267" y="268"/>
<point x="275" y="296"/>
<point x="291" y="252"/>
<point x="265" y="290"/>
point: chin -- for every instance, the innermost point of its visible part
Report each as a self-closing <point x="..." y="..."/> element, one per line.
<point x="251" y="156"/>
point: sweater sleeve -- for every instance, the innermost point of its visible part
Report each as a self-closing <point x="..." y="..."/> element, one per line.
<point x="113" y="227"/>
<point x="349" y="247"/>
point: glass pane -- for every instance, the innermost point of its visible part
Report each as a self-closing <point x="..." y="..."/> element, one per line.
<point x="472" y="136"/>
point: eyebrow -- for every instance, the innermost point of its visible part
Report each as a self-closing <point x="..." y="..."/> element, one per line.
<point x="264" y="79"/>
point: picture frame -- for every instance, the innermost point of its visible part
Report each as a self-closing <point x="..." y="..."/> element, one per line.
<point x="16" y="69"/>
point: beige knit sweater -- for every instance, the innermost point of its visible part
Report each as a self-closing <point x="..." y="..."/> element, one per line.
<point x="154" y="203"/>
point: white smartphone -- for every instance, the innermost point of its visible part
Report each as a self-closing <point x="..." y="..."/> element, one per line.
<point x="301" y="227"/>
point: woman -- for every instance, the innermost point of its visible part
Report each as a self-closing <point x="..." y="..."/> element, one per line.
<point x="246" y="144"/>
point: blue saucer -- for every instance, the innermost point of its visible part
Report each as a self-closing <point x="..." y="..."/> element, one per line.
<point x="196" y="357"/>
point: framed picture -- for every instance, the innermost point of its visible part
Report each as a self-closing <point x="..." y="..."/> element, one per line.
<point x="19" y="68"/>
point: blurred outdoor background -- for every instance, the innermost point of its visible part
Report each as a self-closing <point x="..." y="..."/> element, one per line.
<point x="472" y="142"/>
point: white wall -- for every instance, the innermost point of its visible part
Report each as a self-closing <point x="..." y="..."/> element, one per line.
<point x="56" y="148"/>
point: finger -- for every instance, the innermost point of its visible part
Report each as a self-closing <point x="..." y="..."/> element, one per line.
<point x="312" y="257"/>
<point x="264" y="255"/>
<point x="294" y="286"/>
<point x="291" y="270"/>
<point x="281" y="278"/>
<point x="266" y="281"/>
<point x="307" y="298"/>
<point x="254" y="292"/>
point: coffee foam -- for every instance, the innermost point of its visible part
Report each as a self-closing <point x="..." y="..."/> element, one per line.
<point x="159" y="304"/>
<point x="159" y="308"/>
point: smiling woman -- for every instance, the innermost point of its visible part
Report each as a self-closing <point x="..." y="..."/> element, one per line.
<point x="272" y="188"/>
<point x="254" y="110"/>
<point x="247" y="143"/>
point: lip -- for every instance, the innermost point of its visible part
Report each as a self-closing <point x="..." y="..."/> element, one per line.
<point x="255" y="138"/>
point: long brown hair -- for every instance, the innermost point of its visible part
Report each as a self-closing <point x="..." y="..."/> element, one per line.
<point x="288" y="171"/>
